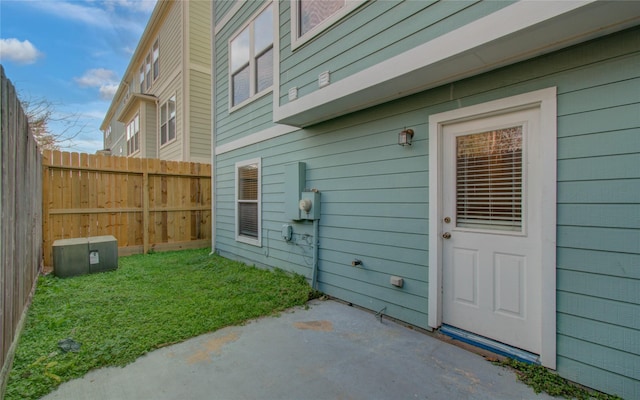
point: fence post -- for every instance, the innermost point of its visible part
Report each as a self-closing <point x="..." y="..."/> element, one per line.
<point x="129" y="198"/>
<point x="145" y="211"/>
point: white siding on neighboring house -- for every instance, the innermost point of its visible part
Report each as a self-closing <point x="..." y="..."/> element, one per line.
<point x="182" y="33"/>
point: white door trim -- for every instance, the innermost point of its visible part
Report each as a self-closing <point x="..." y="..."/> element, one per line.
<point x="545" y="101"/>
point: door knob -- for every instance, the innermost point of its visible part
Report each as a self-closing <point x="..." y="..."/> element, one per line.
<point x="446" y="235"/>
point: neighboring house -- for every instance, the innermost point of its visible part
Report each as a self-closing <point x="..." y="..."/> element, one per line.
<point x="514" y="215"/>
<point x="162" y="108"/>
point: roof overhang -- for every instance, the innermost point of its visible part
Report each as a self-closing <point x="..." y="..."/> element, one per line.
<point x="132" y="105"/>
<point x="518" y="32"/>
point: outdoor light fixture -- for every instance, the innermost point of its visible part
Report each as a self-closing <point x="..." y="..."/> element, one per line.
<point x="405" y="137"/>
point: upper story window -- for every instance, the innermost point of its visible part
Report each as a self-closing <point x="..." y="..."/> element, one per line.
<point x="147" y="72"/>
<point x="133" y="135"/>
<point x="141" y="78"/>
<point x="129" y="89"/>
<point x="168" y="121"/>
<point x="106" y="142"/>
<point x="251" y="58"/>
<point x="313" y="12"/>
<point x="151" y="64"/>
<point x="156" y="58"/>
<point x="310" y="17"/>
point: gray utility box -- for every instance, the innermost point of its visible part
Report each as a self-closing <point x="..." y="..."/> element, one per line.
<point x="81" y="256"/>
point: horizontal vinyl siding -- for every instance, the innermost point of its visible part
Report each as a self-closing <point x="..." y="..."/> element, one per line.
<point x="222" y="8"/>
<point x="117" y="131"/>
<point x="151" y="128"/>
<point x="599" y="223"/>
<point x="200" y="32"/>
<point x="118" y="134"/>
<point x="200" y="115"/>
<point x="198" y="104"/>
<point x="598" y="210"/>
<point x="173" y="150"/>
<point x="170" y="37"/>
<point x="373" y="209"/>
<point x="119" y="147"/>
<point x="253" y="117"/>
<point x="372" y="33"/>
<point x="375" y="202"/>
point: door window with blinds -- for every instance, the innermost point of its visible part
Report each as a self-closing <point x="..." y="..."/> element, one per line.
<point x="489" y="179"/>
<point x="248" y="201"/>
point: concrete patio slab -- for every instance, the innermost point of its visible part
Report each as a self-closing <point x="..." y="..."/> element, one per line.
<point x="327" y="351"/>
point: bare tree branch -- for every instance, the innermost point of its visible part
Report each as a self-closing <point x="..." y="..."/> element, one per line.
<point x="41" y="114"/>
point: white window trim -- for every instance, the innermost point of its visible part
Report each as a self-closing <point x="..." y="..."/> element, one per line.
<point x="146" y="83"/>
<point x="255" y="138"/>
<point x="517" y="32"/>
<point x="141" y="79"/>
<point x="297" y="41"/>
<point x="545" y="100"/>
<point x="168" y="142"/>
<point x="240" y="238"/>
<point x="153" y="60"/>
<point x="249" y="24"/>
<point x="126" y="128"/>
<point x="250" y="100"/>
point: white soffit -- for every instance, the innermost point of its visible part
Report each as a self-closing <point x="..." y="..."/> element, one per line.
<point x="521" y="31"/>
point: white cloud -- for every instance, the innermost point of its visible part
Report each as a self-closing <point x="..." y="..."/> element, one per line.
<point x="20" y="52"/>
<point x="100" y="14"/>
<point x="74" y="11"/>
<point x="108" y="91"/>
<point x="135" y="5"/>
<point x="97" y="77"/>
<point x="104" y="79"/>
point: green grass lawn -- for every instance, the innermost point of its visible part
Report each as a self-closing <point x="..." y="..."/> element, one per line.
<point x="149" y="302"/>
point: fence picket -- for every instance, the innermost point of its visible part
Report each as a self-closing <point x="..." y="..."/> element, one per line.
<point x="21" y="223"/>
<point x="144" y="203"/>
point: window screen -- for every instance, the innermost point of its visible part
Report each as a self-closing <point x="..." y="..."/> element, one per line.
<point x="489" y="180"/>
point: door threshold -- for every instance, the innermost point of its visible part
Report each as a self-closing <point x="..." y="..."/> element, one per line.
<point x="489" y="344"/>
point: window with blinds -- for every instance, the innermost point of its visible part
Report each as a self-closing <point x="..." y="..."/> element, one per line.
<point x="489" y="180"/>
<point x="248" y="200"/>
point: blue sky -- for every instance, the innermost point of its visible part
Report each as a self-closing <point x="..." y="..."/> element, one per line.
<point x="71" y="53"/>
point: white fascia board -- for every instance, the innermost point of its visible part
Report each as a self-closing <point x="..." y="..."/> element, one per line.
<point x="518" y="32"/>
<point x="255" y="138"/>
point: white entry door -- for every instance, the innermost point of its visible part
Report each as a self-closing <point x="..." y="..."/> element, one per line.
<point x="491" y="227"/>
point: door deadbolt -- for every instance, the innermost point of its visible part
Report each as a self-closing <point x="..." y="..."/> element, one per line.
<point x="446" y="235"/>
<point x="447" y="220"/>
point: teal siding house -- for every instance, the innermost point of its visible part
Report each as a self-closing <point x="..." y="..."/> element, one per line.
<point x="471" y="167"/>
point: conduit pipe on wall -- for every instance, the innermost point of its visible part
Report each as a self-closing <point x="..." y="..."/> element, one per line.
<point x="316" y="243"/>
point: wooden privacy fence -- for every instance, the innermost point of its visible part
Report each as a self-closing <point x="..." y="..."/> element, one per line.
<point x="21" y="222"/>
<point x="144" y="203"/>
